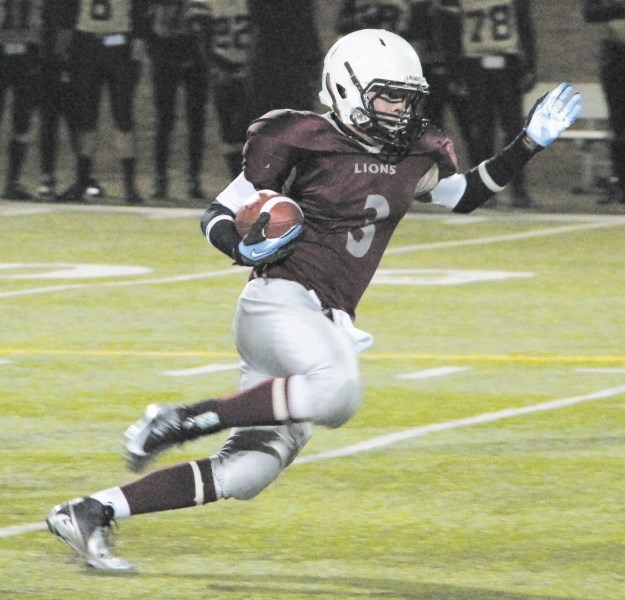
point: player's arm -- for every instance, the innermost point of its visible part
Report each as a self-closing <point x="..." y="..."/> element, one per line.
<point x="268" y="160"/>
<point x="255" y="249"/>
<point x="217" y="222"/>
<point x="551" y="115"/>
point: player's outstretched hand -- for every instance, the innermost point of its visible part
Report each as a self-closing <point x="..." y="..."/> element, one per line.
<point x="553" y="113"/>
<point x="256" y="249"/>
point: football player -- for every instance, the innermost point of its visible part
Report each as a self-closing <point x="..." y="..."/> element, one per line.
<point x="354" y="171"/>
<point x="492" y="50"/>
<point x="286" y="54"/>
<point x="57" y="102"/>
<point x="21" y="38"/>
<point x="611" y="16"/>
<point x="104" y="51"/>
<point x="176" y="40"/>
<point x="230" y="31"/>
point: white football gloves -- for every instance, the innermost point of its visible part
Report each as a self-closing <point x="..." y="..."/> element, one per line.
<point x="553" y="113"/>
<point x="255" y="249"/>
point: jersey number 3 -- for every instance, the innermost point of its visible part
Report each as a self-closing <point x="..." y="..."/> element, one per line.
<point x="358" y="245"/>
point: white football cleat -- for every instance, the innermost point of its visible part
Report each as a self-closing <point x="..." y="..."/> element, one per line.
<point x="84" y="524"/>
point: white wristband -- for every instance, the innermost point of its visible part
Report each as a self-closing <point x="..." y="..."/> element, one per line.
<point x="487" y="180"/>
<point x="214" y="222"/>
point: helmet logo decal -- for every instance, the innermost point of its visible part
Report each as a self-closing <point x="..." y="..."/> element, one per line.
<point x="353" y="77"/>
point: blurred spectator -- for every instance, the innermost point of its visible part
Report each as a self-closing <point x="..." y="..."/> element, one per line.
<point x="286" y="55"/>
<point x="491" y="48"/>
<point x="391" y="15"/>
<point x="103" y="52"/>
<point x="176" y="43"/>
<point x="426" y="31"/>
<point x="612" y="14"/>
<point x="20" y="66"/>
<point x="57" y="103"/>
<point x="232" y="95"/>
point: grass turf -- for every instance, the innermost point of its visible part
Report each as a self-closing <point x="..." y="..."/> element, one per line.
<point x="521" y="508"/>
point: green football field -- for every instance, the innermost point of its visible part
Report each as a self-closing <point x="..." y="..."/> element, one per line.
<point x="486" y="463"/>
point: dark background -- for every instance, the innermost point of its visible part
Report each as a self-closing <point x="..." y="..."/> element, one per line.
<point x="568" y="51"/>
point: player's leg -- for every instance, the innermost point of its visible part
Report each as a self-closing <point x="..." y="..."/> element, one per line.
<point x="507" y="90"/>
<point x="281" y="330"/>
<point x="165" y="77"/>
<point x="250" y="460"/>
<point x="49" y="118"/>
<point x="312" y="359"/>
<point x="122" y="82"/>
<point x="25" y="96"/>
<point x="87" y="84"/>
<point x="438" y="93"/>
<point x="196" y="94"/>
<point x="612" y="77"/>
<point x="479" y="125"/>
<point x="232" y="103"/>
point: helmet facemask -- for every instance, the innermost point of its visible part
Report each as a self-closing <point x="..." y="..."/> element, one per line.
<point x="393" y="130"/>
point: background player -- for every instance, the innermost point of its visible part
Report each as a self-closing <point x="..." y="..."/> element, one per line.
<point x="491" y="46"/>
<point x="104" y="52"/>
<point x="230" y="30"/>
<point x="285" y="48"/>
<point x="354" y="172"/>
<point x="57" y="103"/>
<point x="611" y="15"/>
<point x="176" y="41"/>
<point x="21" y="38"/>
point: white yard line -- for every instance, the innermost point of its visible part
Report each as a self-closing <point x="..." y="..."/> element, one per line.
<point x="407" y="434"/>
<point x="192" y="372"/>
<point x="435" y="372"/>
<point x="122" y="283"/>
<point x="511" y="237"/>
<point x="17" y="209"/>
<point x="508" y="413"/>
<point x="20" y="209"/>
<point x="14" y="530"/>
<point x="602" y="371"/>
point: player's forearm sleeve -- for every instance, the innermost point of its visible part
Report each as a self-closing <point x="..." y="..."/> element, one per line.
<point x="217" y="225"/>
<point x="493" y="174"/>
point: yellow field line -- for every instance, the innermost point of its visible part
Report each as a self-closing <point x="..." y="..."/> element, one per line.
<point x="530" y="358"/>
<point x="370" y="356"/>
<point x="113" y="353"/>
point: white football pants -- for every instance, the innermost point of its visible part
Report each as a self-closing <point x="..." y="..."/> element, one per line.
<point x="281" y="331"/>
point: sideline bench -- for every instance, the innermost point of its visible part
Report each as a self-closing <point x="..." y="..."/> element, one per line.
<point x="590" y="128"/>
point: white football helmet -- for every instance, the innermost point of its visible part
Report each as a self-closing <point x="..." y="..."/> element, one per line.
<point x="364" y="65"/>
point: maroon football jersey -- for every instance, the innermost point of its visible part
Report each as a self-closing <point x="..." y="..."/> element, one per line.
<point x="352" y="199"/>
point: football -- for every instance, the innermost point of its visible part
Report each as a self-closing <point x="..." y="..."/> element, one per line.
<point x="284" y="214"/>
